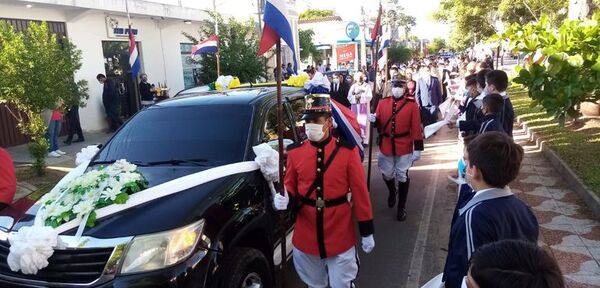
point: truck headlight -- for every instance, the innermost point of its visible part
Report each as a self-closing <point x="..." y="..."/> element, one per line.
<point x="159" y="250"/>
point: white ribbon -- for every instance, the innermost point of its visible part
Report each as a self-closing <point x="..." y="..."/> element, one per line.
<point x="168" y="188"/>
<point x="32" y="246"/>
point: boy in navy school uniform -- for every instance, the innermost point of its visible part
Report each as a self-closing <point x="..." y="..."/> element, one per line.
<point x="471" y="124"/>
<point x="491" y="108"/>
<point x="497" y="82"/>
<point x="492" y="213"/>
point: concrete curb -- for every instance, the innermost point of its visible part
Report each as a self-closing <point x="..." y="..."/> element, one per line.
<point x="588" y="196"/>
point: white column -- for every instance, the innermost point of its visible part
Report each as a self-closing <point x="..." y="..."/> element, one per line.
<point x="355" y="57"/>
<point x="334" y="64"/>
<point x="363" y="52"/>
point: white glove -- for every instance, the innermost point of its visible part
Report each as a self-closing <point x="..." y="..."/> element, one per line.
<point x="335" y="125"/>
<point x="281" y="202"/>
<point x="372" y="118"/>
<point x="416" y="155"/>
<point x="368" y="243"/>
<point x="432" y="109"/>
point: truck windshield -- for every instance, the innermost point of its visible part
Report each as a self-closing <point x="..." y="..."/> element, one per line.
<point x="214" y="133"/>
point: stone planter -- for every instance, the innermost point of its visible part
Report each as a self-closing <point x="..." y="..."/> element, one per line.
<point x="590" y="109"/>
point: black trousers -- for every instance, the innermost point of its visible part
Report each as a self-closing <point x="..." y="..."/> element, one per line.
<point x="112" y="114"/>
<point x="74" y="124"/>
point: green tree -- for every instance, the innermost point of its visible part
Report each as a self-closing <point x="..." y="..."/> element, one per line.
<point x="475" y="20"/>
<point x="307" y="48"/>
<point x="471" y="19"/>
<point x="525" y="11"/>
<point x="238" y="45"/>
<point x="37" y="74"/>
<point x="436" y="45"/>
<point x="397" y="19"/>
<point x="400" y="54"/>
<point x="562" y="65"/>
<point x="315" y="14"/>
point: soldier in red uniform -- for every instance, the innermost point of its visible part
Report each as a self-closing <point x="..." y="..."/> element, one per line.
<point x="400" y="143"/>
<point x="320" y="174"/>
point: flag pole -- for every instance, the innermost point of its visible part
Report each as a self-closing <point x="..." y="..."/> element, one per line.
<point x="373" y="107"/>
<point x="282" y="214"/>
<point x="135" y="79"/>
<point x="374" y="53"/>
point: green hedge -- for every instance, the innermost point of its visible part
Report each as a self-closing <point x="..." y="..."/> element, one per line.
<point x="579" y="148"/>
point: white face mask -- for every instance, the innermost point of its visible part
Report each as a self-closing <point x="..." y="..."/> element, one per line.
<point x="397" y="92"/>
<point x="335" y="80"/>
<point x="468" y="179"/>
<point x="314" y="132"/>
<point x="464" y="283"/>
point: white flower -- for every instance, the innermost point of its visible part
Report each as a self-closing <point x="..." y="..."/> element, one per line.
<point x="124" y="166"/>
<point x="86" y="154"/>
<point x="111" y="193"/>
<point x="84" y="207"/>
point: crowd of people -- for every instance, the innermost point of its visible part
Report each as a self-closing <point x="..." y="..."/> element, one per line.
<point x="493" y="235"/>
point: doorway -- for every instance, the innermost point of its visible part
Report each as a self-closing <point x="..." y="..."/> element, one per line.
<point x="116" y="65"/>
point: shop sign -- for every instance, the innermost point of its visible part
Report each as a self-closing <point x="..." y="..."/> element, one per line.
<point x="345" y="53"/>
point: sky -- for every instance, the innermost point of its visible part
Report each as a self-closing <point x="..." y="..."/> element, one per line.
<point x="349" y="10"/>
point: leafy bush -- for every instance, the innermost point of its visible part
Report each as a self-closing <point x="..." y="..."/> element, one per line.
<point x="562" y="66"/>
<point x="37" y="74"/>
<point x="238" y="45"/>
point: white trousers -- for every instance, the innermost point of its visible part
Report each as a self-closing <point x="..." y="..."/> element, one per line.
<point x="339" y="271"/>
<point x="394" y="167"/>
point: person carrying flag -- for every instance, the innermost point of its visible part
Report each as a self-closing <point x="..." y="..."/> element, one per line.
<point x="320" y="172"/>
<point x="400" y="141"/>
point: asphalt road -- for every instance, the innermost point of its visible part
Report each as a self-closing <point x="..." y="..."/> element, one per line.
<point x="408" y="254"/>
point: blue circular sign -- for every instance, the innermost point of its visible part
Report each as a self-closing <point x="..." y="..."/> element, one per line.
<point x="352" y="30"/>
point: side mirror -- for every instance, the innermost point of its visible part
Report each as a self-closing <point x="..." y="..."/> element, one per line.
<point x="275" y="143"/>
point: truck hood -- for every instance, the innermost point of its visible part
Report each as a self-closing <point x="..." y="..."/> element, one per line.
<point x="159" y="215"/>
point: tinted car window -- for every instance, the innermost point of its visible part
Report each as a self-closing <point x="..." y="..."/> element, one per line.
<point x="213" y="132"/>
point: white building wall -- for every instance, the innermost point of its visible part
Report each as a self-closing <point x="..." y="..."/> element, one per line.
<point x="160" y="49"/>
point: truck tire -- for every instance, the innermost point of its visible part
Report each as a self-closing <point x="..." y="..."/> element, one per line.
<point x="245" y="268"/>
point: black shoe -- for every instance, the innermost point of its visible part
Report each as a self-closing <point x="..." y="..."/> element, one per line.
<point x="391" y="185"/>
<point x="401" y="216"/>
<point x="79" y="140"/>
<point x="68" y="142"/>
<point x="402" y="197"/>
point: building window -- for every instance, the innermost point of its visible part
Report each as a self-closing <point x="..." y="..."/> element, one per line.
<point x="191" y="69"/>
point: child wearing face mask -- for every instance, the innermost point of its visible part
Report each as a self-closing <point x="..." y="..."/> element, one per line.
<point x="492" y="107"/>
<point x="497" y="82"/>
<point x="472" y="121"/>
<point x="491" y="212"/>
<point x="400" y="143"/>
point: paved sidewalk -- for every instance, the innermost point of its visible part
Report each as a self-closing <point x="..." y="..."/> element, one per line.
<point x="567" y="228"/>
<point x="20" y="154"/>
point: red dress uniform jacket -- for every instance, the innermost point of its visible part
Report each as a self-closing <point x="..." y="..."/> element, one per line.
<point x="336" y="232"/>
<point x="403" y="134"/>
<point x="8" y="181"/>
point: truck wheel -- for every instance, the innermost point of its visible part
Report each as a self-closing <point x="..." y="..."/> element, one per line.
<point x="246" y="268"/>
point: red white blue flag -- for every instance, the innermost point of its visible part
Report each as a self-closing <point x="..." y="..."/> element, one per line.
<point x="347" y="126"/>
<point x="375" y="32"/>
<point x="134" y="56"/>
<point x="209" y="45"/>
<point x="277" y="26"/>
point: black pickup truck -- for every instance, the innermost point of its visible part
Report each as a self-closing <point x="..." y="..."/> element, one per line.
<point x="236" y="228"/>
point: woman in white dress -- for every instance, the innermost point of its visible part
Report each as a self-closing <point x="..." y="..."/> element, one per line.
<point x="360" y="96"/>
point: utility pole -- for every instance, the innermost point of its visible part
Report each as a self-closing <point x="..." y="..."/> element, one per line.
<point x="217" y="33"/>
<point x="259" y="5"/>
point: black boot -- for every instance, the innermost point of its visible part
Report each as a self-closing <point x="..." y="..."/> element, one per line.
<point x="391" y="185"/>
<point x="402" y="196"/>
